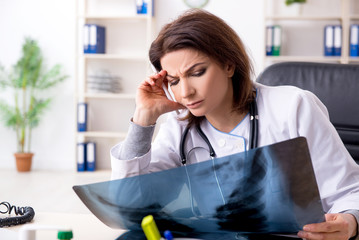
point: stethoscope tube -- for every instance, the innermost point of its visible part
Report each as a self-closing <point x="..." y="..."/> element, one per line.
<point x="253" y="134"/>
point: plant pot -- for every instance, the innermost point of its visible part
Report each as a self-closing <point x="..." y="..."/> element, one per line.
<point x="23" y="161"/>
<point x="295" y="9"/>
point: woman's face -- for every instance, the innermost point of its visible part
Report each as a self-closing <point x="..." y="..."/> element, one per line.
<point x="198" y="82"/>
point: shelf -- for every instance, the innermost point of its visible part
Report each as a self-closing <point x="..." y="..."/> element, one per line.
<point x="303" y="58"/>
<point x="354" y="17"/>
<point x="120" y="18"/>
<point x="110" y="96"/>
<point x="114" y="57"/>
<point x="103" y="134"/>
<point x="305" y="18"/>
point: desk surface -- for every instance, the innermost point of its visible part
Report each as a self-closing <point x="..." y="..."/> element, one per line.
<point x="84" y="226"/>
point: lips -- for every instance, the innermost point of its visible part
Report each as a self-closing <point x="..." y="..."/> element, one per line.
<point x="194" y="105"/>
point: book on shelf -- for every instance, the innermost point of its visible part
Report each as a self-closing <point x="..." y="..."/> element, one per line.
<point x="354" y="40"/>
<point x="337" y="40"/>
<point x="94" y="38"/>
<point x="142" y="6"/>
<point x="81" y="157"/>
<point x="90" y="156"/>
<point x="269" y="40"/>
<point x="273" y="40"/>
<point x="86" y="156"/>
<point x="81" y="117"/>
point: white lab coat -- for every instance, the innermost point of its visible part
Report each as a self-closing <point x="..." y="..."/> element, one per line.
<point x="284" y="112"/>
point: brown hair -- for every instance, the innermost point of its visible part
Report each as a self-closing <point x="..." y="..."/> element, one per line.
<point x="209" y="34"/>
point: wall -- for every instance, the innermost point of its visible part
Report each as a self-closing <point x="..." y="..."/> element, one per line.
<point x="52" y="23"/>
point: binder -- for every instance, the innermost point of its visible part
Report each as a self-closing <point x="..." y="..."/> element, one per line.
<point x="354" y="37"/>
<point x="329" y="40"/>
<point x="277" y="40"/>
<point x="96" y="39"/>
<point x="81" y="117"/>
<point x="86" y="38"/>
<point x="81" y="157"/>
<point x="142" y="6"/>
<point x="337" y="40"/>
<point x="90" y="156"/>
<point x="269" y="40"/>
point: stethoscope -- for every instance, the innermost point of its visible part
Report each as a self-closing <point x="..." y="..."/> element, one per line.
<point x="253" y="134"/>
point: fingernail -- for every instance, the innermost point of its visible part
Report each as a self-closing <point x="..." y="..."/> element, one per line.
<point x="306" y="228"/>
<point x="301" y="234"/>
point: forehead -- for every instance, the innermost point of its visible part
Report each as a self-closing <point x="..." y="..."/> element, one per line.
<point x="181" y="60"/>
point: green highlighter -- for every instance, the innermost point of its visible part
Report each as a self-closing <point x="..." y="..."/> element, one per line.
<point x="150" y="229"/>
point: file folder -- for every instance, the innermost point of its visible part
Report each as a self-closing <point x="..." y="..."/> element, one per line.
<point x="97" y="39"/>
<point x="354" y="37"/>
<point x="82" y="117"/>
<point x="269" y="40"/>
<point x="277" y="40"/>
<point x="81" y="157"/>
<point x="328" y="40"/>
<point x="86" y="38"/>
<point x="337" y="40"/>
<point x="266" y="190"/>
<point x="90" y="156"/>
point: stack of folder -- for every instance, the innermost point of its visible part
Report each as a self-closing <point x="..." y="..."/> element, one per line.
<point x="332" y="40"/>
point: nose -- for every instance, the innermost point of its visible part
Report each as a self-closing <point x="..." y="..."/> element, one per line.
<point x="187" y="89"/>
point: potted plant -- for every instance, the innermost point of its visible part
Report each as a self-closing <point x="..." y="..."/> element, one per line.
<point x="293" y="7"/>
<point x="290" y="2"/>
<point x="27" y="78"/>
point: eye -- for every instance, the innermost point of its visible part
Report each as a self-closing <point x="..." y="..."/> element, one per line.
<point x="173" y="82"/>
<point x="198" y="73"/>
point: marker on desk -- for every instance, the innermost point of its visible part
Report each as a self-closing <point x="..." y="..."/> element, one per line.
<point x="168" y="235"/>
<point x="150" y="229"/>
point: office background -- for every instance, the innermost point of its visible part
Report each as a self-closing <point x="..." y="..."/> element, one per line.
<point x="53" y="24"/>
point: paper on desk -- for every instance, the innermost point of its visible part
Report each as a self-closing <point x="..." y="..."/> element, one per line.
<point x="271" y="189"/>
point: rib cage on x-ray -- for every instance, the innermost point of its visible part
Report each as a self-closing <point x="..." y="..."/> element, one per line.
<point x="271" y="189"/>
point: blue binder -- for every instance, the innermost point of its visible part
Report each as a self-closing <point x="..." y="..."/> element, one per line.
<point x="337" y="40"/>
<point x="86" y="38"/>
<point x="142" y="6"/>
<point x="354" y="37"/>
<point x="97" y="39"/>
<point x="269" y="40"/>
<point x="329" y="40"/>
<point x="90" y="156"/>
<point x="81" y="157"/>
<point x="82" y="117"/>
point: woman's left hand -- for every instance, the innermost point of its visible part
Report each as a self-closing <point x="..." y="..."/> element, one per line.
<point x="337" y="226"/>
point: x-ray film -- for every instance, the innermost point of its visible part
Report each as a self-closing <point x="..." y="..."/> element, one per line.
<point x="271" y="189"/>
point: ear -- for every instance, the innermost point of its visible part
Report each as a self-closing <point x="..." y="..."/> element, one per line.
<point x="229" y="68"/>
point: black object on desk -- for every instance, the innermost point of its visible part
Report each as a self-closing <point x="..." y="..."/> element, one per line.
<point x="267" y="190"/>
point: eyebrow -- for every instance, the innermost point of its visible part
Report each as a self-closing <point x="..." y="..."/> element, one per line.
<point x="188" y="70"/>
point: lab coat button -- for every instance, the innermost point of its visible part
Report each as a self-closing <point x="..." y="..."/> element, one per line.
<point x="240" y="145"/>
<point x="221" y="142"/>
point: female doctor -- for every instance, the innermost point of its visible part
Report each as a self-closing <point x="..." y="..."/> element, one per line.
<point x="203" y="63"/>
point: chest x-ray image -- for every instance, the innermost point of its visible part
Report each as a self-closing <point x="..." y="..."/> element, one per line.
<point x="266" y="190"/>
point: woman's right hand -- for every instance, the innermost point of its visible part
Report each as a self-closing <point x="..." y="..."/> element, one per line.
<point x="151" y="100"/>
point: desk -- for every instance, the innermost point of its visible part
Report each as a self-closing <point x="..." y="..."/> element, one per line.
<point x="84" y="227"/>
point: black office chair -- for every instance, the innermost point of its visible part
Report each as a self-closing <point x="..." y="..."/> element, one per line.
<point x="336" y="85"/>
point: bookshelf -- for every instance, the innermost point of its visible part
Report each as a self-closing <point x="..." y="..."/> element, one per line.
<point x="303" y="33"/>
<point x="128" y="37"/>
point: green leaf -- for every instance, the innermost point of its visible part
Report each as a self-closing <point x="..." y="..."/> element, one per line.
<point x="38" y="108"/>
<point x="51" y="78"/>
<point x="10" y="116"/>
